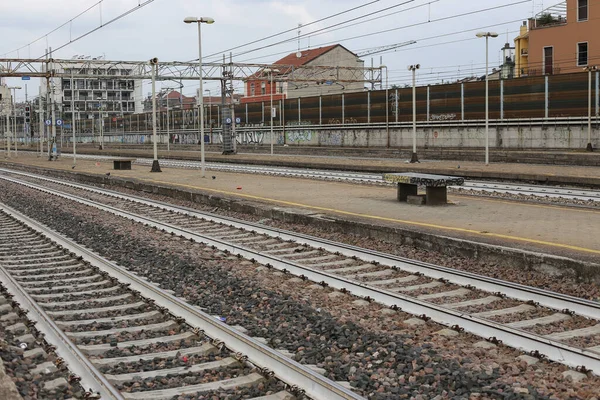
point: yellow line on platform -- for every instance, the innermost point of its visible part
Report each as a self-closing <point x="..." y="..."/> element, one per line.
<point x="519" y="203"/>
<point x="421" y="224"/>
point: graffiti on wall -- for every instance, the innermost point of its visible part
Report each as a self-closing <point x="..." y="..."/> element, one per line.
<point x="330" y="138"/>
<point x="393" y="102"/>
<point x="336" y="121"/>
<point x="442" y="117"/>
<point x="298" y="132"/>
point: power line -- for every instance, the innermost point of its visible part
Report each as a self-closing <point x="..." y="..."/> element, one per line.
<point x="55" y="29"/>
<point x="419" y="24"/>
<point x="102" y="25"/>
<point x="324" y="29"/>
<point x="293" y="29"/>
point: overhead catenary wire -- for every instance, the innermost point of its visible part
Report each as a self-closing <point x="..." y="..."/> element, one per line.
<point x="413" y="25"/>
<point x="55" y="29"/>
<point x="310" y="34"/>
<point x="292" y="29"/>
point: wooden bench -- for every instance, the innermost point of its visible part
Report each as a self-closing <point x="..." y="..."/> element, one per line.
<point x="122" y="163"/>
<point x="436" y="186"/>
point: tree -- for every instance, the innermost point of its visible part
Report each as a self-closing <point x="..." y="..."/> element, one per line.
<point x="546" y="19"/>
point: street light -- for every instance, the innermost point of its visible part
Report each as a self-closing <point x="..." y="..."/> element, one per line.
<point x="589" y="69"/>
<point x="487" y="36"/>
<point x="414" y="68"/>
<point x="155" y="163"/>
<point x="200" y="21"/>
<point x="271" y="71"/>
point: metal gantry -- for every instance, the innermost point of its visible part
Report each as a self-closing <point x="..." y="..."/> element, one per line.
<point x="58" y="68"/>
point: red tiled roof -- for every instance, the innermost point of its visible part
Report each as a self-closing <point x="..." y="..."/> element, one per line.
<point x="307" y="56"/>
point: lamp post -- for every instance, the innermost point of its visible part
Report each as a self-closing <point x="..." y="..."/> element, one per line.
<point x="271" y="71"/>
<point x="487" y="36"/>
<point x="414" y="68"/>
<point x="200" y="21"/>
<point x="14" y="129"/>
<point x="590" y="69"/>
<point x="155" y="163"/>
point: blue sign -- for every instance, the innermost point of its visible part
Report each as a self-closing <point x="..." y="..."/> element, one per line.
<point x="238" y="120"/>
<point x="25" y="78"/>
<point x="59" y="122"/>
<point x="228" y="120"/>
<point x="48" y="122"/>
<point x="67" y="126"/>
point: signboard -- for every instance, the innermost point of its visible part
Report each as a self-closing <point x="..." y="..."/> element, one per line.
<point x="238" y="120"/>
<point x="25" y="78"/>
<point x="59" y="122"/>
<point x="48" y="122"/>
<point x="228" y="120"/>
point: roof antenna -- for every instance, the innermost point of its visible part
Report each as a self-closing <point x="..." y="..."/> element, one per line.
<point x="299" y="53"/>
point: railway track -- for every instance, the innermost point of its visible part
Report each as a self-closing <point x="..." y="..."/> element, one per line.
<point x="563" y="328"/>
<point x="127" y="339"/>
<point x="534" y="191"/>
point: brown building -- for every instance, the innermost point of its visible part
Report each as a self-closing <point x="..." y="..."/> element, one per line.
<point x="564" y="38"/>
<point x="258" y="87"/>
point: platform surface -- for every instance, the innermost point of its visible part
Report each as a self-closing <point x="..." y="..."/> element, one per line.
<point x="572" y="232"/>
<point x="551" y="173"/>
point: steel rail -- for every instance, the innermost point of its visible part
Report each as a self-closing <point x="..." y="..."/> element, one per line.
<point x="568" y="355"/>
<point x="284" y="368"/>
<point x="76" y="361"/>
<point x="544" y="297"/>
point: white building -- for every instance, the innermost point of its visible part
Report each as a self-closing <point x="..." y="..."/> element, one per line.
<point x="112" y="97"/>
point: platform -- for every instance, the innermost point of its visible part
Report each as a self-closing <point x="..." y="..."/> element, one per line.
<point x="541" y="173"/>
<point x="571" y="232"/>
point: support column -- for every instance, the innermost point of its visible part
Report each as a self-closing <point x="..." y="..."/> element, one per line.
<point x="369" y="107"/>
<point x="462" y="101"/>
<point x="436" y="196"/>
<point x="397" y="106"/>
<point x="320" y="110"/>
<point x="501" y="99"/>
<point x="343" y="108"/>
<point x="546" y="99"/>
<point x="405" y="190"/>
<point x="428" y="102"/>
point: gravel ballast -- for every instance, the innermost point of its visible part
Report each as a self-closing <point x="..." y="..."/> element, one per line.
<point x="376" y="352"/>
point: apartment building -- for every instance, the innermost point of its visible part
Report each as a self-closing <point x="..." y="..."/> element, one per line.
<point x="563" y="38"/>
<point x="110" y="97"/>
<point x="258" y="88"/>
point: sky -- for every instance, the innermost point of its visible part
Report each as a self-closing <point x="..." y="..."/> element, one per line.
<point x="444" y="30"/>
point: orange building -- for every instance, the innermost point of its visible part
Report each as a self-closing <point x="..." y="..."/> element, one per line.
<point x="564" y="38"/>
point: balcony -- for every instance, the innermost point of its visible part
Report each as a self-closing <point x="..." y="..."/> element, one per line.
<point x="525" y="52"/>
<point x="551" y="17"/>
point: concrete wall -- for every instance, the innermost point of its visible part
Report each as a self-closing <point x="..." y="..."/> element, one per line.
<point x="547" y="136"/>
<point x="502" y="137"/>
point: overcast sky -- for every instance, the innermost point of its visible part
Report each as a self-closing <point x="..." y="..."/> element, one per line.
<point x="446" y="49"/>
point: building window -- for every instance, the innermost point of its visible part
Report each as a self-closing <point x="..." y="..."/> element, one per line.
<point x="582" y="54"/>
<point x="263" y="88"/>
<point x="582" y="10"/>
<point x="548" y="60"/>
<point x="252" y="90"/>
